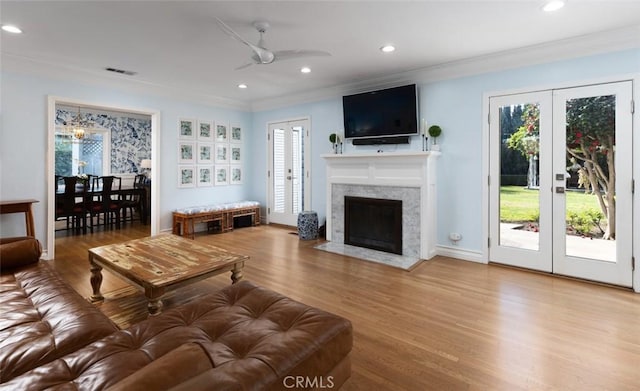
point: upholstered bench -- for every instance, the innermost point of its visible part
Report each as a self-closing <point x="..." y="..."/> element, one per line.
<point x="185" y="219"/>
<point x="243" y="337"/>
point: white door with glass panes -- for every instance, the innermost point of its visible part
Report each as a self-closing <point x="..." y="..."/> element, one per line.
<point x="561" y="183"/>
<point x="289" y="171"/>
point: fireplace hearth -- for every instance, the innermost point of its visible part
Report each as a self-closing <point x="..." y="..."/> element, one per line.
<point x="373" y="223"/>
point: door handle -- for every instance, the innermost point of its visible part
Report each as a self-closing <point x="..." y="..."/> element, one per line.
<point x="289" y="177"/>
<point x="560" y="190"/>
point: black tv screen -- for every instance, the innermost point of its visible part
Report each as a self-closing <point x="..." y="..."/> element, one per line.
<point x="389" y="112"/>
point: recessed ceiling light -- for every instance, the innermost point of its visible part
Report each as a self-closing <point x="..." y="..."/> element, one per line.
<point x="305" y="70"/>
<point x="242" y="85"/>
<point x="11" y="29"/>
<point x="388" y="48"/>
<point x="553" y="5"/>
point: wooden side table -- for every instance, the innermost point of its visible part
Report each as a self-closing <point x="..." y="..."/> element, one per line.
<point x="21" y="206"/>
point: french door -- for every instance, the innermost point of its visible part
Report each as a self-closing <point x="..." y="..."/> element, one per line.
<point x="288" y="172"/>
<point x="561" y="181"/>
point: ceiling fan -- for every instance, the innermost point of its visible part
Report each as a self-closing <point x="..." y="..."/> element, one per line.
<point x="261" y="55"/>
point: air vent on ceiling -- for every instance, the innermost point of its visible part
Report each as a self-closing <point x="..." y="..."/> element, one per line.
<point x="121" y="71"/>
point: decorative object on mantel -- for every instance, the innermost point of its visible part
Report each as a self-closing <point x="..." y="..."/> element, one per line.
<point x="423" y="134"/>
<point x="336" y="142"/>
<point x="435" y="131"/>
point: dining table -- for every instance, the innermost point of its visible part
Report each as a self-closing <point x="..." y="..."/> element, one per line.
<point x="94" y="192"/>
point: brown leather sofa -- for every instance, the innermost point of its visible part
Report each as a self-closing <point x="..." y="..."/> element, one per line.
<point x="242" y="337"/>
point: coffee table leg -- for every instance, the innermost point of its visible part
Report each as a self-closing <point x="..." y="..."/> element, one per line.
<point x="236" y="272"/>
<point x="155" y="301"/>
<point x="155" y="307"/>
<point x="96" y="282"/>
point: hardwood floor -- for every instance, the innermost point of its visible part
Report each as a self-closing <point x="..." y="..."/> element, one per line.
<point x="446" y="325"/>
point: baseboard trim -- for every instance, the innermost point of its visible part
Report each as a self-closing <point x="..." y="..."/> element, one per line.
<point x="459" y="253"/>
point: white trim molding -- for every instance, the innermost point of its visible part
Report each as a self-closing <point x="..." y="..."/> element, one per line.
<point x="461" y="253"/>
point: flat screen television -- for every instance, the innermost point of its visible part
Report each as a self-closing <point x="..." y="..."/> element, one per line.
<point x="381" y="113"/>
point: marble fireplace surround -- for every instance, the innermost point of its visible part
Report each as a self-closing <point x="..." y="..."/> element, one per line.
<point x="406" y="176"/>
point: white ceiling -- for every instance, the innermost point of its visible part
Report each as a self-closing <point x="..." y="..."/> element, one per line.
<point x="177" y="46"/>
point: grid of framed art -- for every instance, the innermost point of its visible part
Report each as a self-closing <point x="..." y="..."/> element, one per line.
<point x="210" y="153"/>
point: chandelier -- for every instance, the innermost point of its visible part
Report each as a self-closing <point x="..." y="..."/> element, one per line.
<point x="78" y="127"/>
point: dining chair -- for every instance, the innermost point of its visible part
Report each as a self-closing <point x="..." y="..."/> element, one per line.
<point x="132" y="201"/>
<point x="67" y="205"/>
<point x="104" y="200"/>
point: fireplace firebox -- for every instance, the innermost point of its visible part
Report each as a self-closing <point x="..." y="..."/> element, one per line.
<point x="373" y="223"/>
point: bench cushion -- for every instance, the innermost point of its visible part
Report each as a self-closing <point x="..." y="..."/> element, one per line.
<point x="247" y="336"/>
<point x="217" y="207"/>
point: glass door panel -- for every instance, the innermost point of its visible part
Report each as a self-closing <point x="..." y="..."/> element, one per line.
<point x="279" y="171"/>
<point x="519" y="179"/>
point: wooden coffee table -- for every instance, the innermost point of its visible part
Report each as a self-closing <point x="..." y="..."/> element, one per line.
<point x="161" y="263"/>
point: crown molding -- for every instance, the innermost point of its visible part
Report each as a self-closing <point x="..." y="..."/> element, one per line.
<point x="66" y="72"/>
<point x="581" y="46"/>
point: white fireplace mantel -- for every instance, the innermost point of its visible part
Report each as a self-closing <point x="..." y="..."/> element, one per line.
<point x="397" y="169"/>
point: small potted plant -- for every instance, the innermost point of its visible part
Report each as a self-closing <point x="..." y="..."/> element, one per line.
<point x="335" y="141"/>
<point x="435" y="131"/>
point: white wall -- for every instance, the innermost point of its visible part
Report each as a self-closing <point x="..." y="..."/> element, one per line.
<point x="455" y="105"/>
<point x="23" y="144"/>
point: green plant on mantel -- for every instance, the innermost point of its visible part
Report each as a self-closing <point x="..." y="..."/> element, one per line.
<point x="435" y="131"/>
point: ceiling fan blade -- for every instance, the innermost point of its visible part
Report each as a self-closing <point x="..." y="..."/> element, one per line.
<point x="244" y="66"/>
<point x="266" y="57"/>
<point x="300" y="53"/>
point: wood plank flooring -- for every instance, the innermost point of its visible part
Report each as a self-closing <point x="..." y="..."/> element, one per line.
<point x="446" y="325"/>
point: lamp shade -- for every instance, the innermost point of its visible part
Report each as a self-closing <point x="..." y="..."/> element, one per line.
<point x="145" y="163"/>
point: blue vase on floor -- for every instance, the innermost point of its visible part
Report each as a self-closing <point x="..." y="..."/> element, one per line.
<point x="308" y="225"/>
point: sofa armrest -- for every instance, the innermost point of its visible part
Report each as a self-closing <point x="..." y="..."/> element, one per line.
<point x="19" y="251"/>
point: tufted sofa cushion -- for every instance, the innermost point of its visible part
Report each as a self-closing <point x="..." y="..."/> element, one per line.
<point x="42" y="319"/>
<point x="242" y="337"/>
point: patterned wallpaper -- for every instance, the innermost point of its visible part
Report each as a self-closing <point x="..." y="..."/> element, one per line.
<point x="130" y="137"/>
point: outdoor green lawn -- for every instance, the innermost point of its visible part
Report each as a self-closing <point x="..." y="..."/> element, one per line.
<point x="519" y="204"/>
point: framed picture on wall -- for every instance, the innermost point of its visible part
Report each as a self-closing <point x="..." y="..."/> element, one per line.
<point x="222" y="175"/>
<point x="236" y="134"/>
<point x="205" y="175"/>
<point x="235" y="177"/>
<point x="186" y="152"/>
<point x="186" y="176"/>
<point x="236" y="154"/>
<point x="186" y="128"/>
<point x="205" y="153"/>
<point x="222" y="153"/>
<point x="222" y="132"/>
<point x="205" y="130"/>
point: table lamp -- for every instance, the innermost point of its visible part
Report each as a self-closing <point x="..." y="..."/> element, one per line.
<point x="146" y="165"/>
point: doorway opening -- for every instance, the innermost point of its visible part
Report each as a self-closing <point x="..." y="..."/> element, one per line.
<point x="79" y="155"/>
